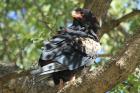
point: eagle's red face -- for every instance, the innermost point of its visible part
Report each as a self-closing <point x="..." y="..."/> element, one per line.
<point x="82" y="14"/>
<point x="77" y="14"/>
<point x="85" y="17"/>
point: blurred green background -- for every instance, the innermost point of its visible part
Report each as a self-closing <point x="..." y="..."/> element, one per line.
<point x="25" y="24"/>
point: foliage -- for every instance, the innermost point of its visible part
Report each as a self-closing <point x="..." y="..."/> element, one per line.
<point x="24" y="24"/>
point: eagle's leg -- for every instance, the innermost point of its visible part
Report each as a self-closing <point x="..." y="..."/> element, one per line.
<point x="72" y="78"/>
<point x="62" y="77"/>
<point x="61" y="84"/>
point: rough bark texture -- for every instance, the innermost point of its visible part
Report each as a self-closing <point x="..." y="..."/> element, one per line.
<point x="99" y="7"/>
<point x="111" y="73"/>
<point x="98" y="81"/>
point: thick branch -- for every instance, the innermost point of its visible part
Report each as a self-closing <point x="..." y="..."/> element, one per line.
<point x="111" y="73"/>
<point x="17" y="74"/>
<point x="14" y="75"/>
<point x="6" y="68"/>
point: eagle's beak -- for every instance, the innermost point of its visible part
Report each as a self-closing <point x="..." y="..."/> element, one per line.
<point x="76" y="15"/>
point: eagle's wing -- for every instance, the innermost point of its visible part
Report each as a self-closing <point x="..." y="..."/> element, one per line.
<point x="68" y="51"/>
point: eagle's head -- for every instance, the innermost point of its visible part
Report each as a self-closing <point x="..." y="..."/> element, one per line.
<point x="85" y="18"/>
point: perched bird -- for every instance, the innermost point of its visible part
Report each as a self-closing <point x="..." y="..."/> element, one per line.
<point x="72" y="49"/>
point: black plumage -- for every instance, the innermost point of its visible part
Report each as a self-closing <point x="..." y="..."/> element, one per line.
<point x="72" y="49"/>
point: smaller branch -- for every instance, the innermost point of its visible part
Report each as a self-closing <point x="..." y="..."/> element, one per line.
<point x="108" y="26"/>
<point x="128" y="16"/>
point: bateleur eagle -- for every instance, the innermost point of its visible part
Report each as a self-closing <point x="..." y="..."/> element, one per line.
<point x="72" y="49"/>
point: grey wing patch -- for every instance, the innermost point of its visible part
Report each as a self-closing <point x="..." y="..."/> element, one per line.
<point x="48" y="69"/>
<point x="52" y="67"/>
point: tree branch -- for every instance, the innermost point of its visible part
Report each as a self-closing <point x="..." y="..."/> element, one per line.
<point x="14" y="75"/>
<point x="128" y="16"/>
<point x="6" y="68"/>
<point x="107" y="76"/>
<point x="108" y="26"/>
<point x="17" y="74"/>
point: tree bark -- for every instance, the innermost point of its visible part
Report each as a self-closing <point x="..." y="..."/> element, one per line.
<point x="107" y="76"/>
<point x="99" y="7"/>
